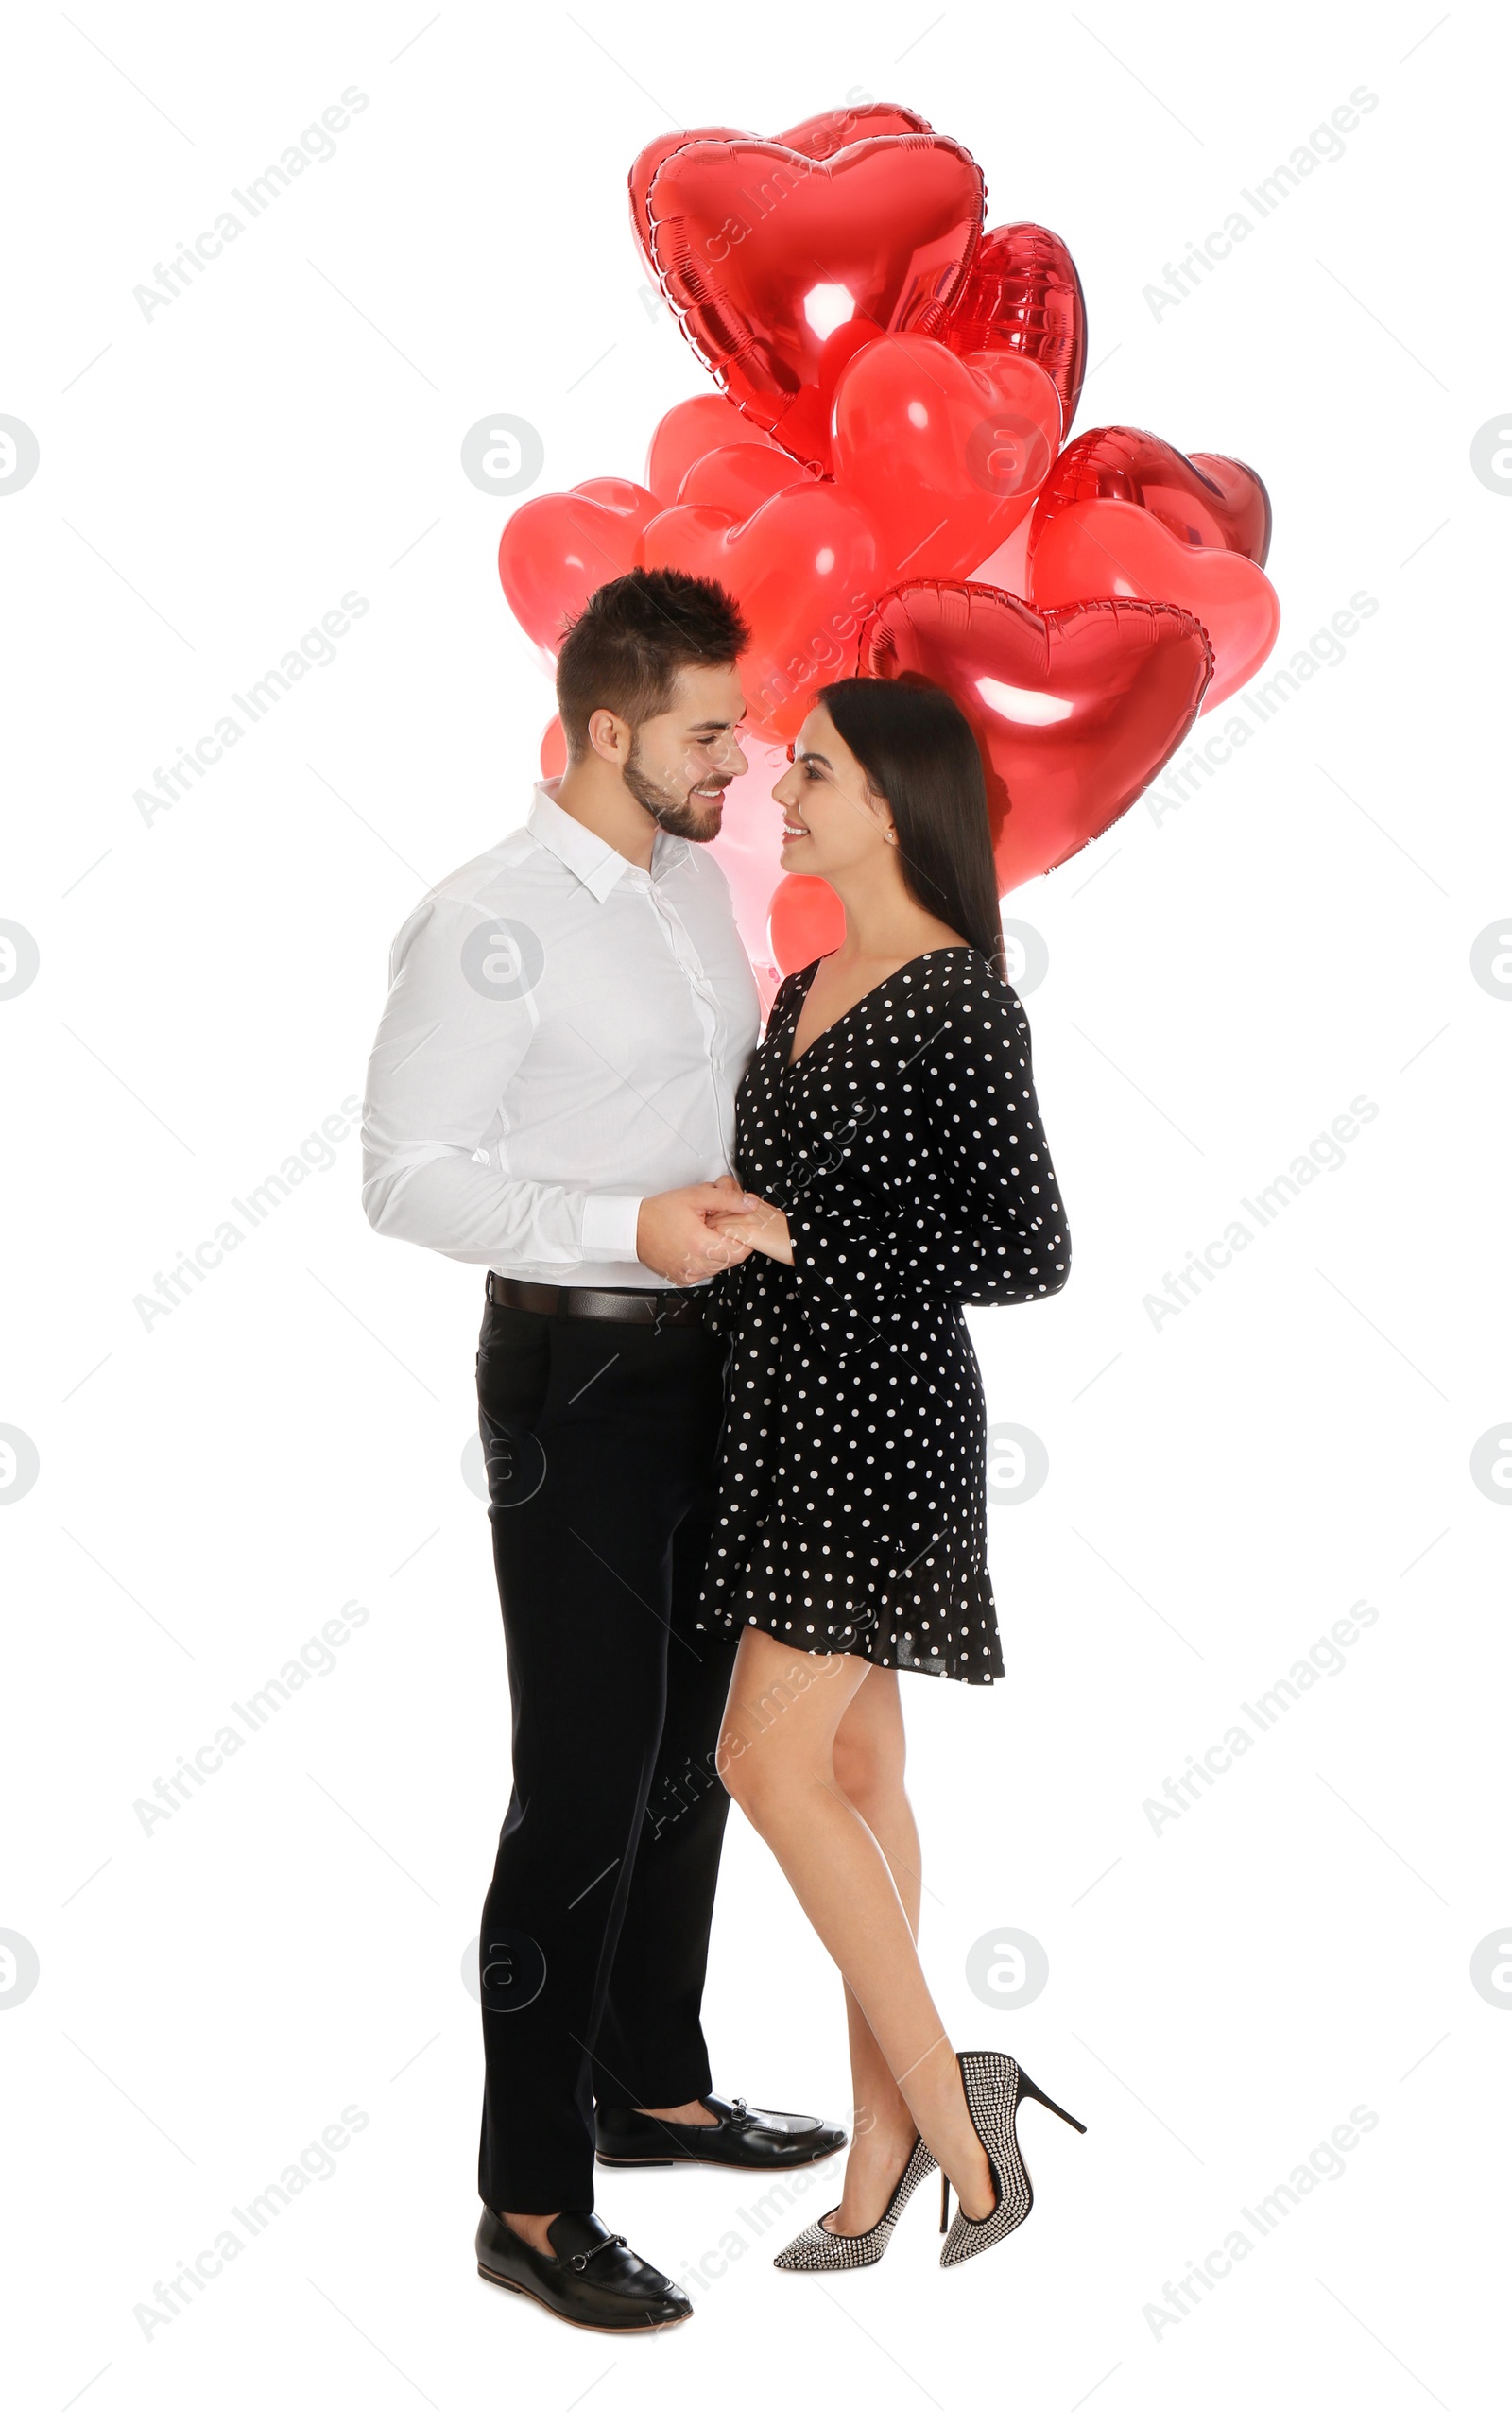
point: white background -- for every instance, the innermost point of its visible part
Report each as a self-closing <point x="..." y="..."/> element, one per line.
<point x="1223" y="980"/>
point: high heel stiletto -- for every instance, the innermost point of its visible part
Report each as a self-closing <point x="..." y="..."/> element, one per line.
<point x="817" y="2251"/>
<point x="994" y="2087"/>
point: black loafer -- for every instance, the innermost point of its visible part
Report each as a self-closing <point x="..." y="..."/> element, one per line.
<point x="748" y="2137"/>
<point x="593" y="2280"/>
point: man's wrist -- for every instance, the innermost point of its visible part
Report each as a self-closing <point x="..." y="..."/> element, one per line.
<point x="611" y="1224"/>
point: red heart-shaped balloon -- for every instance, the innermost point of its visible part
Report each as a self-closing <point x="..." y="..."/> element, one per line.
<point x="1205" y="500"/>
<point x="1074" y="710"/>
<point x="695" y="428"/>
<point x="1021" y="292"/>
<point x="816" y="138"/>
<point x="740" y="479"/>
<point x="831" y="131"/>
<point x="805" y="570"/>
<point x="943" y="456"/>
<point x="805" y="918"/>
<point x="557" y="550"/>
<point x="780" y="267"/>
<point x="1102" y="548"/>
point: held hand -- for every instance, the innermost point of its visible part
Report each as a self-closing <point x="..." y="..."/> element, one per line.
<point x="760" y="1225"/>
<point x="676" y="1233"/>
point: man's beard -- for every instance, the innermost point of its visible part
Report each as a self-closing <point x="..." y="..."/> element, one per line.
<point x="694" y="821"/>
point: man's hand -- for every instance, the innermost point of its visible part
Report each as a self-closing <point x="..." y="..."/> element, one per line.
<point x="675" y="1233"/>
<point x="760" y="1225"/>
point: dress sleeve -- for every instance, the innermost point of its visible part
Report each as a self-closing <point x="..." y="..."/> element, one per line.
<point x="976" y="1218"/>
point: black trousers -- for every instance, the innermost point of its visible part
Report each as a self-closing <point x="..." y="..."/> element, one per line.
<point x="600" y="1441"/>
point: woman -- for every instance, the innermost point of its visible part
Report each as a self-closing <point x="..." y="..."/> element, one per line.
<point x="889" y="1148"/>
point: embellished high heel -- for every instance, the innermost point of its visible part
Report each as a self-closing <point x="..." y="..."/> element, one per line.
<point x="817" y="2251"/>
<point x="994" y="2087"/>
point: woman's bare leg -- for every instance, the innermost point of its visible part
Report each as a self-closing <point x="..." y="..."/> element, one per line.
<point x="776" y="1758"/>
<point x="869" y="1756"/>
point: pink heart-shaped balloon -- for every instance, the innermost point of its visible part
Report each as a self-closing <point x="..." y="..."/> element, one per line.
<point x="943" y="455"/>
<point x="1104" y="549"/>
<point x="749" y="846"/>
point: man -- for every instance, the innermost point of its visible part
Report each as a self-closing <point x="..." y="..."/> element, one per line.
<point x="552" y="1095"/>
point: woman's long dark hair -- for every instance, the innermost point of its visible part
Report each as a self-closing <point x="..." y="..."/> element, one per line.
<point x="920" y="754"/>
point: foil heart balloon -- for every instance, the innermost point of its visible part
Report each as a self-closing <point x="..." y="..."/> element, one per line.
<point x="780" y="267"/>
<point x="1074" y="709"/>
<point x="942" y="455"/>
<point x="805" y="569"/>
<point x="1207" y="500"/>
<point x="555" y="551"/>
<point x="643" y="169"/>
<point x="1104" y="549"/>
<point x="831" y="131"/>
<point x="1021" y="292"/>
<point x="818" y="138"/>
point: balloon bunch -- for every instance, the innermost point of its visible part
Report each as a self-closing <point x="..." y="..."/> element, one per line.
<point x="884" y="485"/>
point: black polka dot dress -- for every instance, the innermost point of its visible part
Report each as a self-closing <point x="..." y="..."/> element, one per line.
<point x="905" y="1148"/>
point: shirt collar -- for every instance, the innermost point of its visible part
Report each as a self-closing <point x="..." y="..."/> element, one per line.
<point x="594" y="862"/>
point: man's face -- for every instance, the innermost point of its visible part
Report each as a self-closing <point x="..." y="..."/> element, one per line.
<point x="682" y="761"/>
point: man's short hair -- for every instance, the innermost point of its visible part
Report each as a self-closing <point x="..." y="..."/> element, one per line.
<point x="626" y="648"/>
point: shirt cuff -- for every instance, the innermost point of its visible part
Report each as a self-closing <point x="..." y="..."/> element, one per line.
<point x="610" y="1226"/>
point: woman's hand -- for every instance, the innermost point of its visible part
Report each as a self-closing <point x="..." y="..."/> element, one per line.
<point x="759" y="1225"/>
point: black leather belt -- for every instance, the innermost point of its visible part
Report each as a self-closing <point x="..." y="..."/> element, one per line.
<point x="660" y="1306"/>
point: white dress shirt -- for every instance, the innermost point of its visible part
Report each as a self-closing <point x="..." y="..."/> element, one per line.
<point x="564" y="1034"/>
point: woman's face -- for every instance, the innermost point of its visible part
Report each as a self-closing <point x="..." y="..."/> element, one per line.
<point x="832" y="821"/>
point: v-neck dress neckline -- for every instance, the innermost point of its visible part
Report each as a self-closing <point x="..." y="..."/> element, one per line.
<point x="790" y="1062"/>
